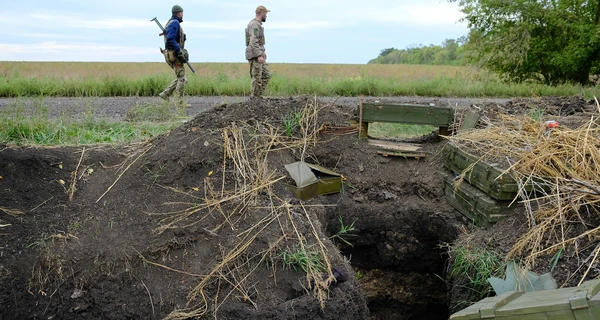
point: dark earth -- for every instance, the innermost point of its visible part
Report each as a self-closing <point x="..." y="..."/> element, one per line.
<point x="103" y="255"/>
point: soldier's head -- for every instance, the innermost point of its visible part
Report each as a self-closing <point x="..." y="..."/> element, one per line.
<point x="177" y="10"/>
<point x="261" y="13"/>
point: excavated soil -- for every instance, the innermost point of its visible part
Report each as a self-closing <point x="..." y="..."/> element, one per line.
<point x="99" y="255"/>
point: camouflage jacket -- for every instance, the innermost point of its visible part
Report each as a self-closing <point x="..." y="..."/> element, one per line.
<point x="255" y="40"/>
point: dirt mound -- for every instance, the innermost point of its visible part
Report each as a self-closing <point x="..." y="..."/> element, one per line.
<point x="201" y="222"/>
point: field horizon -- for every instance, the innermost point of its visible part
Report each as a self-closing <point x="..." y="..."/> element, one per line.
<point x="49" y="78"/>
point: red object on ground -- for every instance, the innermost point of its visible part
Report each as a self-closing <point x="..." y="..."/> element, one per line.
<point x="551" y="124"/>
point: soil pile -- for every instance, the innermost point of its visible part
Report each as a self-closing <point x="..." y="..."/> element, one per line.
<point x="200" y="222"/>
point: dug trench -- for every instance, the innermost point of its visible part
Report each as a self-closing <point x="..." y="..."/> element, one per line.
<point x="201" y="223"/>
<point x="398" y="210"/>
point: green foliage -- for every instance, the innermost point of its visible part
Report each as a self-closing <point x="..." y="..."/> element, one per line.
<point x="449" y="53"/>
<point x="38" y="128"/>
<point x="551" y="41"/>
<point x="386" y="51"/>
<point x="555" y="258"/>
<point x="156" y="174"/>
<point x="344" y="232"/>
<point x="399" y="130"/>
<point x="154" y="113"/>
<point x="291" y="122"/>
<point x="358" y="275"/>
<point x="305" y="260"/>
<point x="478" y="84"/>
<point x="475" y="266"/>
<point x="537" y="113"/>
<point x="38" y="243"/>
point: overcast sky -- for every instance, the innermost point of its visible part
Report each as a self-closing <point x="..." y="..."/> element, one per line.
<point x="308" y="31"/>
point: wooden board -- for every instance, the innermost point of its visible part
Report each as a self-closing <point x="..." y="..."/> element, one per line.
<point x="473" y="203"/>
<point x="576" y="303"/>
<point x="486" y="176"/>
<point x="469" y="121"/>
<point x="396" y="146"/>
<point x="402" y="154"/>
<point x="406" y="113"/>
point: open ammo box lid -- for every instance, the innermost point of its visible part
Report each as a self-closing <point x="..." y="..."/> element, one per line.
<point x="578" y="303"/>
<point x="312" y="180"/>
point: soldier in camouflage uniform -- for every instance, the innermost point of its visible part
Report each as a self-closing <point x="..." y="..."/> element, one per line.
<point x="175" y="56"/>
<point x="255" y="53"/>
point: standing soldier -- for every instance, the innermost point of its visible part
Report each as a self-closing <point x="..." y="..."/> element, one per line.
<point x="175" y="55"/>
<point x="255" y="52"/>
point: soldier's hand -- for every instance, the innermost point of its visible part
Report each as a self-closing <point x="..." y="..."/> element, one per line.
<point x="181" y="56"/>
<point x="261" y="59"/>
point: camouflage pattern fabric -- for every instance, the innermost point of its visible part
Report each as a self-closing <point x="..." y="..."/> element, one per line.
<point x="259" y="73"/>
<point x="178" y="84"/>
<point x="255" y="40"/>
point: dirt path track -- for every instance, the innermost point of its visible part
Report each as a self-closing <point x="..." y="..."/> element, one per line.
<point x="117" y="107"/>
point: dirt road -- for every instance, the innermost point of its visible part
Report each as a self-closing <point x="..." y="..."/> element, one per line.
<point x="116" y="108"/>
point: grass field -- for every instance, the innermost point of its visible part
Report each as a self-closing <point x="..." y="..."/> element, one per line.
<point x="97" y="79"/>
<point x="21" y="79"/>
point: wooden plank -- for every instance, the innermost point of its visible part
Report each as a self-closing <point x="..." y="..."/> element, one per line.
<point x="539" y="305"/>
<point x="474" y="203"/>
<point x="363" y="132"/>
<point x="363" y="129"/>
<point x="486" y="176"/>
<point x="392" y="145"/>
<point x="402" y="154"/>
<point x="407" y="113"/>
<point x="470" y="120"/>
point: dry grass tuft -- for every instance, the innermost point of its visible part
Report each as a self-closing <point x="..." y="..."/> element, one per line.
<point x="11" y="212"/>
<point x="561" y="165"/>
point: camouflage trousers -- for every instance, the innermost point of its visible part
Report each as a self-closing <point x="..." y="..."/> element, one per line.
<point x="178" y="84"/>
<point x="259" y="73"/>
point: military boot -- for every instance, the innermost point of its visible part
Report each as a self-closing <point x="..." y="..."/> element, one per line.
<point x="164" y="96"/>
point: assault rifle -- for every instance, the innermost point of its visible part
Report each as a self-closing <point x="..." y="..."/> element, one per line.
<point x="163" y="32"/>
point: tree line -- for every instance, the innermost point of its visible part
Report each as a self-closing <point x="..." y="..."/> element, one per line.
<point x="451" y="52"/>
<point x="545" y="41"/>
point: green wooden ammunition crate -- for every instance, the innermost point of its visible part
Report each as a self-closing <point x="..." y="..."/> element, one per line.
<point x="473" y="203"/>
<point x="577" y="303"/>
<point x="407" y="113"/>
<point x="485" y="176"/>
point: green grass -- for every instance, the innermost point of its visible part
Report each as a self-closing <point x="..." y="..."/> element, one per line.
<point x="346" y="231"/>
<point x="305" y="260"/>
<point x="291" y="122"/>
<point x="283" y="85"/>
<point x="399" y="130"/>
<point x="39" y="128"/>
<point x="476" y="266"/>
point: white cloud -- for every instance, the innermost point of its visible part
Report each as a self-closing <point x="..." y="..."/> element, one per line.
<point x="117" y="30"/>
<point x="50" y="47"/>
<point x="298" y="25"/>
<point x="417" y="14"/>
<point x="48" y="20"/>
